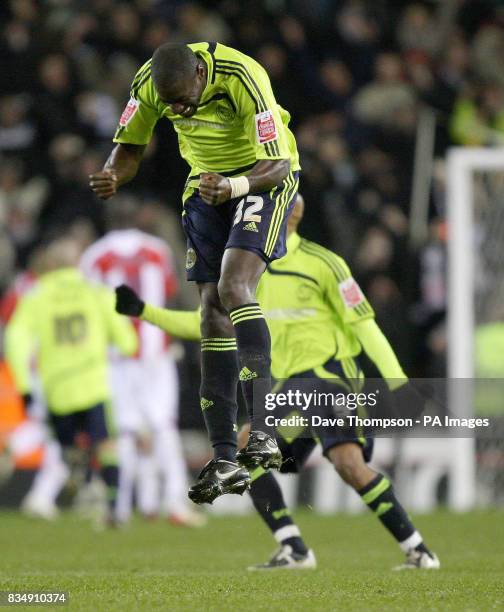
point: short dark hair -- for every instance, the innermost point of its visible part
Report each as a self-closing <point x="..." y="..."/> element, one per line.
<point x="121" y="212"/>
<point x="172" y="63"/>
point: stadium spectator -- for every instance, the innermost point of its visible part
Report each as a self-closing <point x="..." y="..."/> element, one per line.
<point x="478" y="116"/>
<point x="197" y="23"/>
<point x="54" y="103"/>
<point x="18" y="47"/>
<point x="417" y="30"/>
<point x="17" y="131"/>
<point x="21" y="201"/>
<point x="382" y="101"/>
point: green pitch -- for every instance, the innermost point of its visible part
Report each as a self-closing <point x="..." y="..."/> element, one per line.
<point x="154" y="566"/>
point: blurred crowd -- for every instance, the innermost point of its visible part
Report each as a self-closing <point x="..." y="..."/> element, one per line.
<point x="355" y="77"/>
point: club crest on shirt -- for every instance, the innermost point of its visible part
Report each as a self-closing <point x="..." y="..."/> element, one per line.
<point x="225" y="113"/>
<point x="351" y="293"/>
<point x="265" y="127"/>
<point x="127" y="114"/>
<point x="190" y="259"/>
<point x="304" y="292"/>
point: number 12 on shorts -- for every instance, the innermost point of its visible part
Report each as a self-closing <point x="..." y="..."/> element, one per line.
<point x="254" y="205"/>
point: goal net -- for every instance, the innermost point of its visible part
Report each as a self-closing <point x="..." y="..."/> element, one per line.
<point x="475" y="210"/>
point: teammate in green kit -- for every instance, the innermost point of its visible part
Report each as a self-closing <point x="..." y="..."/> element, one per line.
<point x="69" y="324"/>
<point x="241" y="188"/>
<point x="320" y="322"/>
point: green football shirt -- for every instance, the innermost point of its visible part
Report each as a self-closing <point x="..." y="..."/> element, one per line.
<point x="68" y="323"/>
<point x="310" y="301"/>
<point x="238" y="120"/>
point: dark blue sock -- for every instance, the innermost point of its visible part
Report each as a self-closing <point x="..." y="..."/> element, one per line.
<point x="254" y="354"/>
<point x="219" y="380"/>
<point x="379" y="496"/>
<point x="269" y="502"/>
<point x="110" y="476"/>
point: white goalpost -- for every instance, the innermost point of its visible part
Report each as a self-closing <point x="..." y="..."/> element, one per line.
<point x="462" y="165"/>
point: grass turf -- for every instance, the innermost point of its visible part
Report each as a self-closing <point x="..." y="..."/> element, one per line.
<point x="155" y="566"/>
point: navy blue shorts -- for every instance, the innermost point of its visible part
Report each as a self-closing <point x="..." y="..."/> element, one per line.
<point x="256" y="222"/>
<point x="295" y="452"/>
<point x="92" y="421"/>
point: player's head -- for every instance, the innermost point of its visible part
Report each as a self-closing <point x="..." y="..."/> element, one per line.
<point x="296" y="215"/>
<point x="122" y="212"/>
<point x="179" y="77"/>
<point x="63" y="252"/>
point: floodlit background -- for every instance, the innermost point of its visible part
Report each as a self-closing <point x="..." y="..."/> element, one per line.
<point x="377" y="91"/>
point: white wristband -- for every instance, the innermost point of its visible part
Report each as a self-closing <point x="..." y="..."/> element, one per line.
<point x="239" y="186"/>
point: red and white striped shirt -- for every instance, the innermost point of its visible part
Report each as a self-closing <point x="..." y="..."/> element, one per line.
<point x="144" y="263"/>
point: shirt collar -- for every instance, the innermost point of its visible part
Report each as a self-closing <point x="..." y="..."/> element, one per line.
<point x="293" y="242"/>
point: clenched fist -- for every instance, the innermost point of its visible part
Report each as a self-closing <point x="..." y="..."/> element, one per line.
<point x="214" y="188"/>
<point x="103" y="183"/>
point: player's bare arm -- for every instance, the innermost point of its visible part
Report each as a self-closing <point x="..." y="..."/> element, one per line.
<point x="120" y="168"/>
<point x="215" y="189"/>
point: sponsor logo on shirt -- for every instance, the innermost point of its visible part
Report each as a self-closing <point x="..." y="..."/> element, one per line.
<point x="265" y="127"/>
<point x="290" y="313"/>
<point x="190" y="123"/>
<point x="128" y="112"/>
<point x="351" y="293"/>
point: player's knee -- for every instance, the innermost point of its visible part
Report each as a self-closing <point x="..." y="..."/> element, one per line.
<point x="215" y="321"/>
<point x="210" y="301"/>
<point x="214" y="317"/>
<point x="234" y="292"/>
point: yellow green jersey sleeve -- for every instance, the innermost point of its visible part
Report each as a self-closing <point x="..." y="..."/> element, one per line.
<point x="68" y="324"/>
<point x="20" y="344"/>
<point x="378" y="349"/>
<point x="142" y="111"/>
<point x="238" y="120"/>
<point x="178" y="323"/>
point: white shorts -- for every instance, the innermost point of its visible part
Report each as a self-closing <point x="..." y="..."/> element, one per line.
<point x="145" y="394"/>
